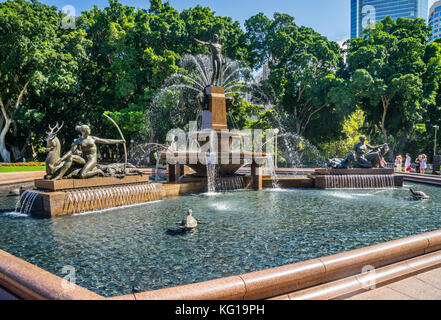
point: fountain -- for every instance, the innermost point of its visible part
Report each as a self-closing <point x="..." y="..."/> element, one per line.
<point x="262" y="229"/>
<point x="215" y="159"/>
<point x="76" y="183"/>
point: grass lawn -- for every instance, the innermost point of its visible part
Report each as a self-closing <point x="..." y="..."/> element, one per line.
<point x="21" y="168"/>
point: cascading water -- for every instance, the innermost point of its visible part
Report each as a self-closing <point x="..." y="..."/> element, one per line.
<point x="270" y="170"/>
<point x="93" y="199"/>
<point x="230" y="183"/>
<point x="26" y="202"/>
<point x="359" y="181"/>
<point x="210" y="159"/>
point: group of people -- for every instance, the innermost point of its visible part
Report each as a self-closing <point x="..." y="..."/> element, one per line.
<point x="420" y="163"/>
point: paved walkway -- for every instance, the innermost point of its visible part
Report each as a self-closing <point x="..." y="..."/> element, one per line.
<point x="19" y="177"/>
<point x="422" y="178"/>
<point x="424" y="286"/>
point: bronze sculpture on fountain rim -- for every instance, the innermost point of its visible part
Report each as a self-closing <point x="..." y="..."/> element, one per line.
<point x="57" y="168"/>
<point x="360" y="158"/>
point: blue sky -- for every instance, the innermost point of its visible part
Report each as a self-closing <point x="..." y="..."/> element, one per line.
<point x="328" y="17"/>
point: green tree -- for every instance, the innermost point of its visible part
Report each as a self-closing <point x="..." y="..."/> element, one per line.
<point x="393" y="75"/>
<point x="303" y="68"/>
<point x="134" y="51"/>
<point x="28" y="32"/>
<point x="353" y="127"/>
<point x="39" y="62"/>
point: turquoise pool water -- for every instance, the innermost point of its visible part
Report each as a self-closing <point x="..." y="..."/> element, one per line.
<point x="139" y="248"/>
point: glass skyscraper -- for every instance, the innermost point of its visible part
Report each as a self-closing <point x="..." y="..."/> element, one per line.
<point x="365" y="12"/>
<point x="435" y="20"/>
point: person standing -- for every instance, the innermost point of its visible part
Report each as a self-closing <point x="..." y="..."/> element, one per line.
<point x="398" y="163"/>
<point x="417" y="164"/>
<point x="423" y="164"/>
<point x="407" y="163"/>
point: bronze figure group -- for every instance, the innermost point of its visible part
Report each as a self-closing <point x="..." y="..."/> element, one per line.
<point x="360" y="157"/>
<point x="80" y="161"/>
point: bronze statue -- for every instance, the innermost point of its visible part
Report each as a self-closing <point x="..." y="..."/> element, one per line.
<point x="216" y="58"/>
<point x="376" y="155"/>
<point x="360" y="151"/>
<point x="88" y="158"/>
<point x="53" y="147"/>
<point x="360" y="158"/>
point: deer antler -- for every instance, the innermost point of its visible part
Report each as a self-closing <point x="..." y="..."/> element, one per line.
<point x="57" y="127"/>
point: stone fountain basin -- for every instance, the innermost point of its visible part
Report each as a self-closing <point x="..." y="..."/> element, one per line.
<point x="284" y="222"/>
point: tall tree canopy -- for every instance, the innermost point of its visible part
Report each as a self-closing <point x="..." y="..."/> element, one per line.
<point x="303" y="67"/>
<point x="116" y="59"/>
<point x="34" y="57"/>
<point x="394" y="74"/>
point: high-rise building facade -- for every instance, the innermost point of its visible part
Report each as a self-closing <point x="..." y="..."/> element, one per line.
<point x="366" y="12"/>
<point x="435" y="20"/>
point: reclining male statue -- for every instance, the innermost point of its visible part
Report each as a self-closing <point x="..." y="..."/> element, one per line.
<point x="360" y="158"/>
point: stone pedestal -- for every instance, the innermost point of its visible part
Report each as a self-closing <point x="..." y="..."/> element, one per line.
<point x="68" y="196"/>
<point x="353" y="171"/>
<point x="217" y="106"/>
<point x="66" y="184"/>
<point x="256" y="176"/>
<point x="436" y="164"/>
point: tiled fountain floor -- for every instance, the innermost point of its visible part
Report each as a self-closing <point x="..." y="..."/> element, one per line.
<point x="424" y="286"/>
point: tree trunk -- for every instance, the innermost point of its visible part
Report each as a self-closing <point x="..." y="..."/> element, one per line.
<point x="5" y="154"/>
<point x="16" y="153"/>
<point x="386" y="101"/>
<point x="20" y="152"/>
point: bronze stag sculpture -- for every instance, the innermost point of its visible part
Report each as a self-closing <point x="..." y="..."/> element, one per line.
<point x="53" y="146"/>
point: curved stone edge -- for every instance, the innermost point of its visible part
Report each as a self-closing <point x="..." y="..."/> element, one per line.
<point x="373" y="279"/>
<point x="287" y="279"/>
<point x="28" y="281"/>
